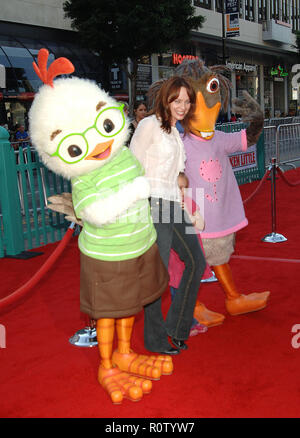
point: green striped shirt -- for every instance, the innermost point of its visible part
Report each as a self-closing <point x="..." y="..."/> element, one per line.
<point x="133" y="232"/>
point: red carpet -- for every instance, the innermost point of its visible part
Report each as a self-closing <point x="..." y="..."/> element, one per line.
<point x="245" y="368"/>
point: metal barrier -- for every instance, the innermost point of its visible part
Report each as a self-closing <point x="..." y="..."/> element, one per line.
<point x="288" y="143"/>
<point x="282" y="142"/>
<point x="275" y="121"/>
<point x="269" y="143"/>
<point x="25" y="185"/>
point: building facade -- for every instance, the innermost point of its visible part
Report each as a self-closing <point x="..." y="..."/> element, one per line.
<point x="262" y="58"/>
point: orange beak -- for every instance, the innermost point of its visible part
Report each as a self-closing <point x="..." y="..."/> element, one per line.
<point x="204" y="119"/>
<point x="101" y="151"/>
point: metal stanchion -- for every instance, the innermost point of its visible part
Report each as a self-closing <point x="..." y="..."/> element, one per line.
<point x="86" y="337"/>
<point x="273" y="237"/>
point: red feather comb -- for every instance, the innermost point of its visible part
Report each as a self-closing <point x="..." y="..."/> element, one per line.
<point x="58" y="67"/>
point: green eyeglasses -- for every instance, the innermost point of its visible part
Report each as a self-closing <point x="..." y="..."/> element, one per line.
<point x="74" y="147"/>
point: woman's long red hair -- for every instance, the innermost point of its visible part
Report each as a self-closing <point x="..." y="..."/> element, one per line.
<point x="169" y="92"/>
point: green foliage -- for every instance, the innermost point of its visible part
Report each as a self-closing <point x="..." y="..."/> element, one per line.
<point x="131" y="28"/>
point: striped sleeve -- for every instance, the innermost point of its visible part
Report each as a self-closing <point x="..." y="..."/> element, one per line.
<point x="106" y="180"/>
<point x="83" y="194"/>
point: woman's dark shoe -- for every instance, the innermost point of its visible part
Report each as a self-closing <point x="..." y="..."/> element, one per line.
<point x="179" y="344"/>
<point x="170" y="350"/>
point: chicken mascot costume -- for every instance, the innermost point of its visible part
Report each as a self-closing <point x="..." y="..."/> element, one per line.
<point x="208" y="167"/>
<point x="79" y="132"/>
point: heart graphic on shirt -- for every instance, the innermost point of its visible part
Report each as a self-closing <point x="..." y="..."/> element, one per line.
<point x="211" y="171"/>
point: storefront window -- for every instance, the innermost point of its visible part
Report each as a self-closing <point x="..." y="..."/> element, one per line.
<point x="274" y="9"/>
<point x="285" y="11"/>
<point x="11" y="80"/>
<point x="247" y="80"/>
<point x="295" y="15"/>
<point x="262" y="10"/>
<point x="219" y="5"/>
<point x="21" y="62"/>
<point x="267" y="98"/>
<point x="249" y="10"/>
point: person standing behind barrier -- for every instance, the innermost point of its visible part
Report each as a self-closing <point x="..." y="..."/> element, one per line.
<point x="139" y="112"/>
<point x="158" y="146"/>
<point x="22" y="136"/>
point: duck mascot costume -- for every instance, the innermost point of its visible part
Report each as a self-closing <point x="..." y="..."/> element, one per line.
<point x="79" y="132"/>
<point x="208" y="168"/>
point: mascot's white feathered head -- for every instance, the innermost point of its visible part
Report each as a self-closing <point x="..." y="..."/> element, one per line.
<point x="74" y="125"/>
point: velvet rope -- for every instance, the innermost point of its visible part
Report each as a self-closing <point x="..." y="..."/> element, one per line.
<point x="17" y="294"/>
<point x="258" y="187"/>
<point x="291" y="184"/>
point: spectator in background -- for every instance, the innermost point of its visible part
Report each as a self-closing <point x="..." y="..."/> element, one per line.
<point x="22" y="137"/>
<point x="222" y="118"/>
<point x="139" y="113"/>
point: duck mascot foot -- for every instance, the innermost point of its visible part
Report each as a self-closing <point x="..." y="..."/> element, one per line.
<point x="236" y="303"/>
<point x="247" y="303"/>
<point x="207" y="317"/>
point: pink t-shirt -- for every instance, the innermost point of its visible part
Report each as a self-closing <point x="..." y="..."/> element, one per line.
<point x="208" y="168"/>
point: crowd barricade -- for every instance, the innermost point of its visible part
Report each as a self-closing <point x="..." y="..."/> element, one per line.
<point x="25" y="184"/>
<point x="283" y="142"/>
<point x="275" y="121"/>
<point x="288" y="143"/>
<point x="270" y="133"/>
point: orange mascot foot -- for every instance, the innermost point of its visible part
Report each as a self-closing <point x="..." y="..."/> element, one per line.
<point x="207" y="317"/>
<point x="119" y="385"/>
<point x="237" y="304"/>
<point x="151" y="367"/>
<point x="247" y="303"/>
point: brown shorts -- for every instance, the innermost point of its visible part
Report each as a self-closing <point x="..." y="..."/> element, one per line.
<point x="121" y="288"/>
